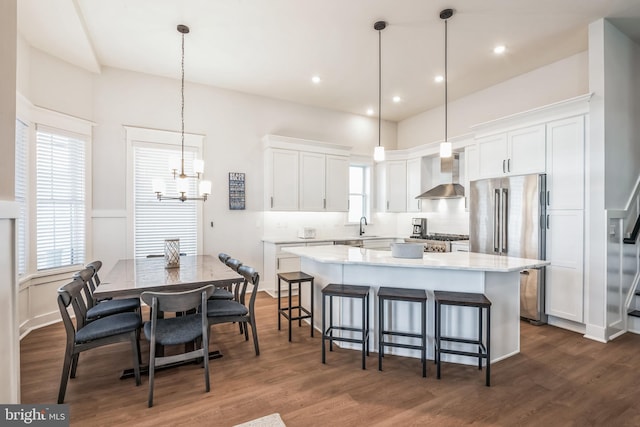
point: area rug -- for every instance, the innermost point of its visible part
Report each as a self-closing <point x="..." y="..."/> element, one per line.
<point x="272" y="420"/>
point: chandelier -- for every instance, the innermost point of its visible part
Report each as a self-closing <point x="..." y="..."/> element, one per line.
<point x="177" y="166"/>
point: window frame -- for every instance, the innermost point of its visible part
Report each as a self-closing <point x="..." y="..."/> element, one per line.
<point x="155" y="137"/>
<point x="367" y="169"/>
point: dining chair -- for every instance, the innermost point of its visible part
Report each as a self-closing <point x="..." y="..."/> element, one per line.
<point x="227" y="311"/>
<point x="228" y="292"/>
<point x="97" y="309"/>
<point x="87" y="335"/>
<point x="182" y="329"/>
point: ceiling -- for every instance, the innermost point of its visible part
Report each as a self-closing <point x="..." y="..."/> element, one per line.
<point x="273" y="48"/>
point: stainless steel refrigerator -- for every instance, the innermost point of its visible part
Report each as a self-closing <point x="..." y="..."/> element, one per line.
<point x="506" y="217"/>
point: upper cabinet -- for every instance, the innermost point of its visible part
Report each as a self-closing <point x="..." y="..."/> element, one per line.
<point x="281" y="180"/>
<point x="516" y="152"/>
<point x="414" y="186"/>
<point x="392" y="186"/>
<point x="565" y="163"/>
<point x="305" y="175"/>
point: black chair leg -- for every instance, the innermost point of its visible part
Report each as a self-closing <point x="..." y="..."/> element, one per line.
<point x="66" y="367"/>
<point x="74" y="364"/>
<point x="135" y="349"/>
<point x="254" y="333"/>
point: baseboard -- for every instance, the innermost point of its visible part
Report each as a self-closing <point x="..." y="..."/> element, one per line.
<point x="273" y="293"/>
<point x="39" y="322"/>
<point x="566" y="324"/>
<point x="596" y="333"/>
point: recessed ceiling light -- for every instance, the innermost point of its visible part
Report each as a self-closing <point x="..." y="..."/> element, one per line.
<point x="370" y="111"/>
<point x="500" y="49"/>
<point x="439" y="79"/>
<point x="315" y="79"/>
<point x="396" y="99"/>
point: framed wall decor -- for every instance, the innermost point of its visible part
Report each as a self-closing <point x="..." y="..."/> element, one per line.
<point x="236" y="191"/>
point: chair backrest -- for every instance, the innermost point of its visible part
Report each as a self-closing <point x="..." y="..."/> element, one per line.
<point x="176" y="301"/>
<point x="223" y="257"/>
<point x="233" y="264"/>
<point x="250" y="277"/>
<point x="69" y="294"/>
<point x="96" y="266"/>
<point x="86" y="275"/>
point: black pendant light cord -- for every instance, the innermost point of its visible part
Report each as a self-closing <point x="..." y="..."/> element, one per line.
<point x="446" y="80"/>
<point x="182" y="107"/>
<point x="379" y="85"/>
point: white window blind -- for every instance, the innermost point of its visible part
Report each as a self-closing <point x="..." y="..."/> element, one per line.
<point x="155" y="221"/>
<point x="60" y="198"/>
<point x="21" y="186"/>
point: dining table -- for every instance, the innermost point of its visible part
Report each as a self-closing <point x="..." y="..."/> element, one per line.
<point x="131" y="277"/>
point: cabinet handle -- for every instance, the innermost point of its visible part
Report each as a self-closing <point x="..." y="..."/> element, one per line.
<point x="548" y="222"/>
<point x="508" y="165"/>
<point x="324" y="203"/>
<point x="504" y="170"/>
<point x="272" y="201"/>
<point x="548" y="198"/>
<point x="387" y="205"/>
<point x="277" y="263"/>
<point x="419" y="204"/>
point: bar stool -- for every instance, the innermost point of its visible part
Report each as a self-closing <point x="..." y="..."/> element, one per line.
<point x="346" y="291"/>
<point x="464" y="299"/>
<point x="409" y="295"/>
<point x="295" y="277"/>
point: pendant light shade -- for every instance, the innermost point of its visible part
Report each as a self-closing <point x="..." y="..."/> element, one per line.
<point x="446" y="149"/>
<point x="378" y="152"/>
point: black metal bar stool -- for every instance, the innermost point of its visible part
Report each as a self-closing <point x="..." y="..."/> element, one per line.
<point x="295" y="277"/>
<point x="409" y="295"/>
<point x="345" y="291"/>
<point x="464" y="299"/>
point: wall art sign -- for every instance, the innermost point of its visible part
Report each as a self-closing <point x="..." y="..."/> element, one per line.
<point x="236" y="191"/>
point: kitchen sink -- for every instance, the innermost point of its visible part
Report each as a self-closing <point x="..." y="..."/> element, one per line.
<point x="354" y="242"/>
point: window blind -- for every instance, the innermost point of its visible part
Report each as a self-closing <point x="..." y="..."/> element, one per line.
<point x="60" y="198"/>
<point x="21" y="186"/>
<point x="154" y="221"/>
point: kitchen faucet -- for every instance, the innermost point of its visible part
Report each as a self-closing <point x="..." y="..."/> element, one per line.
<point x="362" y="225"/>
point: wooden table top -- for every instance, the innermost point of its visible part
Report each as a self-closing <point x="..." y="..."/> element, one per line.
<point x="131" y="277"/>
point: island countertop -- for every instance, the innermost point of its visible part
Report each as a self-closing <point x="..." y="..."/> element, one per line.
<point x="432" y="260"/>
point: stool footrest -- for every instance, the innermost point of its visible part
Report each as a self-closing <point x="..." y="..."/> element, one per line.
<point x="401" y="334"/>
<point x="400" y="345"/>
<point x="464" y="353"/>
<point x="462" y="340"/>
<point x="285" y="313"/>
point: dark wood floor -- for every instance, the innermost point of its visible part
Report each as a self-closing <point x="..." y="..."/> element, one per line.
<point x="558" y="379"/>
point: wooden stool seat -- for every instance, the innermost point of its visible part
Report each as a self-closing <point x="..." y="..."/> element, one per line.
<point x="295" y="277"/>
<point x="464" y="299"/>
<point x="403" y="294"/>
<point x="345" y="291"/>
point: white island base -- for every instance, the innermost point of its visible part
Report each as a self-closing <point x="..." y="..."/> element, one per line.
<point x="496" y="277"/>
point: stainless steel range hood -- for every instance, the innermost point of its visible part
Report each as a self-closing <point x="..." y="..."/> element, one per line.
<point x="449" y="172"/>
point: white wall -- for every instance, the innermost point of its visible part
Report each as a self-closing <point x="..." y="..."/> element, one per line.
<point x="555" y="82"/>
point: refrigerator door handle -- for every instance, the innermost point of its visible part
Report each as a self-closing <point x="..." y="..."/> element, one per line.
<point x="503" y="222"/>
<point x="496" y="220"/>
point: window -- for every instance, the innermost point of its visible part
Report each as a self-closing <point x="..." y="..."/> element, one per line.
<point x="359" y="185"/>
<point x="60" y="198"/>
<point x="21" y="180"/>
<point x="153" y="220"/>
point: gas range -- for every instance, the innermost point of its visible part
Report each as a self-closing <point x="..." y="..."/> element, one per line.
<point x="437" y="242"/>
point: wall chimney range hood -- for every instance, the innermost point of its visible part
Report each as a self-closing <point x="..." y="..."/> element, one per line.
<point x="449" y="172"/>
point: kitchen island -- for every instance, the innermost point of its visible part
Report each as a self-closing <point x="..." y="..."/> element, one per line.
<point x="498" y="277"/>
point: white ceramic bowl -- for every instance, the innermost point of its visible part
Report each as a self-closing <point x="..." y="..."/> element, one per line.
<point x="407" y="250"/>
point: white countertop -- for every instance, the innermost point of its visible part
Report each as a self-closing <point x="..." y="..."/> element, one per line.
<point x="288" y="240"/>
<point x="449" y="260"/>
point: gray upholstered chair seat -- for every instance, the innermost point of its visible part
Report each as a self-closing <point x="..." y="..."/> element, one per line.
<point x="221" y="293"/>
<point x="221" y="308"/>
<point x="108" y="326"/>
<point x="109" y="307"/>
<point x="176" y="330"/>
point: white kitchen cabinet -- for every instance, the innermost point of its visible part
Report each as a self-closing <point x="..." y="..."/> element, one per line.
<point x="324" y="182"/>
<point x="516" y="152"/>
<point x="276" y="261"/>
<point x="564" y="292"/>
<point x="396" y="186"/>
<point x="565" y="163"/>
<point x="414" y="184"/>
<point x="337" y="183"/>
<point x="281" y="180"/>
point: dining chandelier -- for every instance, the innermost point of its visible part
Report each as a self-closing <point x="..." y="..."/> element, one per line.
<point x="177" y="165"/>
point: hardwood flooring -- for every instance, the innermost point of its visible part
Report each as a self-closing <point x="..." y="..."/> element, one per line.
<point x="558" y="379"/>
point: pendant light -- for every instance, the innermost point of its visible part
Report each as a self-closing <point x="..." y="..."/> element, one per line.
<point x="378" y="152"/>
<point x="445" y="146"/>
<point x="182" y="183"/>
